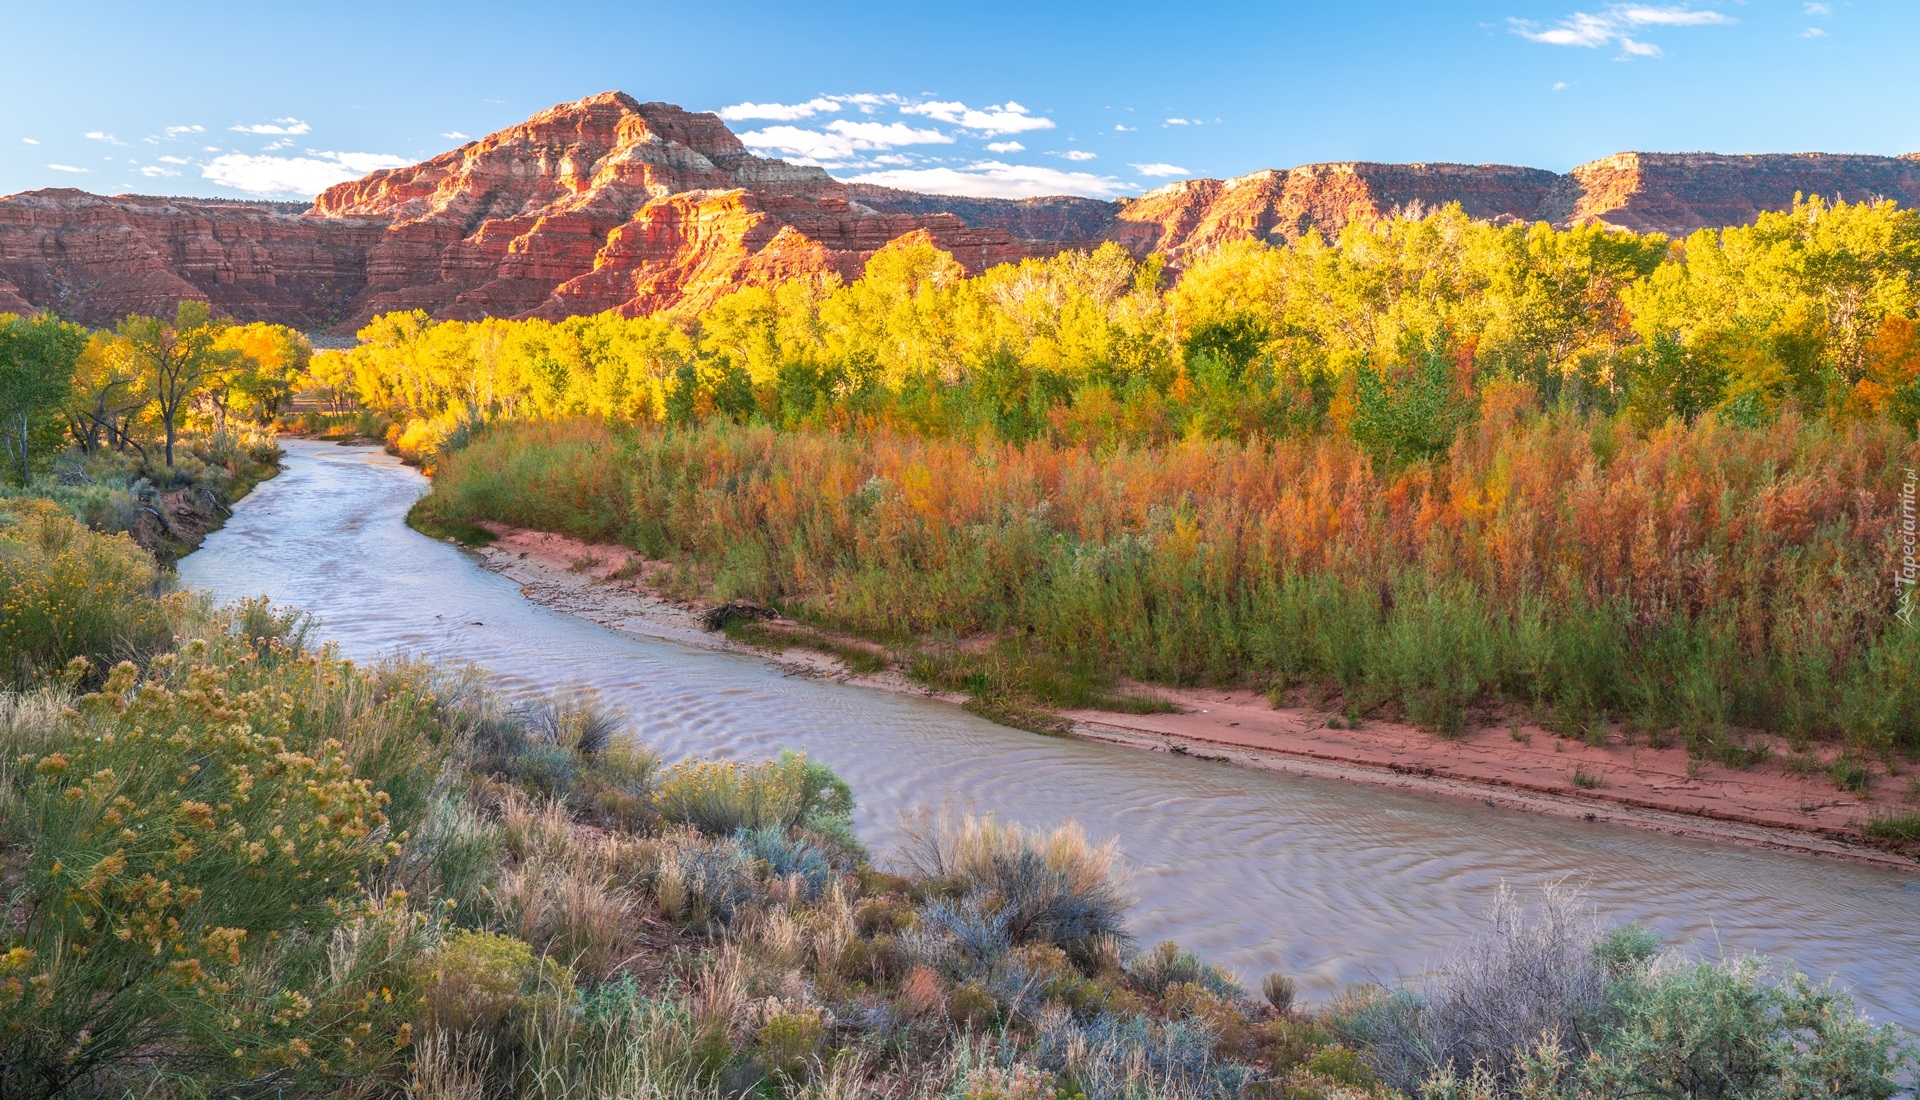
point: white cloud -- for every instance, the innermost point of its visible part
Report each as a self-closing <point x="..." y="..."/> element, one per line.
<point x="98" y="135"/>
<point x="1642" y="16"/>
<point x="865" y="102"/>
<point x="304" y="176"/>
<point x="176" y="131"/>
<point x="455" y="135"/>
<point x="1819" y="9"/>
<point x="278" y="126"/>
<point x="996" y="179"/>
<point x="210" y="148"/>
<point x="991" y="121"/>
<point x="1561" y="85"/>
<point x="1159" y="168"/>
<point x="1075" y="154"/>
<point x="175" y="160"/>
<point x="1005" y="147"/>
<point x="808" y="146"/>
<point x="67" y="168"/>
<point x="1813" y="32"/>
<point x="841" y="141"/>
<point x="780" y="112"/>
<point x="868" y="102"/>
<point x="153" y="171"/>
<point x="879" y="135"/>
<point x="1181" y="122"/>
<point x="1616" y="25"/>
<point x="1123" y="128"/>
<point x="30" y="141"/>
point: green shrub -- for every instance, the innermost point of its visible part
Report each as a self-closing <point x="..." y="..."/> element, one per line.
<point x="720" y="797"/>
<point x="1166" y="966"/>
<point x="787" y="1041"/>
<point x="1704" y="1029"/>
<point x="475" y="980"/>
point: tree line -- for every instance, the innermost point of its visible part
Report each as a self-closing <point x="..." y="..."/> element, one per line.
<point x="1387" y="333"/>
<point x="140" y="384"/>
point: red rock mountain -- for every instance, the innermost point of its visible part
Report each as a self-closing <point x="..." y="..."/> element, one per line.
<point x="612" y="204"/>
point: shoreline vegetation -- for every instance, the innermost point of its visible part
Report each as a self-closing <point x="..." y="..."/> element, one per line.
<point x="239" y="865"/>
<point x="1629" y="491"/>
<point x="1519" y="765"/>
<point x="154" y="427"/>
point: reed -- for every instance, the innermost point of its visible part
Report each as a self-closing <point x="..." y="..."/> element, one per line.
<point x="1697" y="578"/>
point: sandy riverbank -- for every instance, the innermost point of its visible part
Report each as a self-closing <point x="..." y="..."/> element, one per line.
<point x="1515" y="766"/>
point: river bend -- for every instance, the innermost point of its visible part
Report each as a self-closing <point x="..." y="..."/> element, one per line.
<point x="1331" y="882"/>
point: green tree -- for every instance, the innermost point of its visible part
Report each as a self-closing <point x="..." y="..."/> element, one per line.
<point x="37" y="357"/>
<point x="181" y="358"/>
<point x="1669" y="379"/>
<point x="1413" y="412"/>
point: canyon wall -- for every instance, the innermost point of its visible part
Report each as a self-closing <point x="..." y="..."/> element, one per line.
<point x="612" y="204"/>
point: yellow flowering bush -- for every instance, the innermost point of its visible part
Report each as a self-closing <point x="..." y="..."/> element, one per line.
<point x="199" y="853"/>
<point x="68" y="592"/>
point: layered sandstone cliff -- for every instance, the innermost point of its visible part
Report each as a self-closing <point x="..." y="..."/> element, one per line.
<point x="613" y="204"/>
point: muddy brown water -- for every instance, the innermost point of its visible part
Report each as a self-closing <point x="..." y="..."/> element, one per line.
<point x="1331" y="882"/>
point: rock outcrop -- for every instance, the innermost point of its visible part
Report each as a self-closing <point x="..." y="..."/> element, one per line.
<point x="613" y="204"/>
<point x="97" y="259"/>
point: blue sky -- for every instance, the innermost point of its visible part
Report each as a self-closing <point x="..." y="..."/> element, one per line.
<point x="277" y="100"/>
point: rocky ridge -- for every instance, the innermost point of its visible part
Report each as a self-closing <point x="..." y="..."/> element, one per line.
<point x="613" y="204"/>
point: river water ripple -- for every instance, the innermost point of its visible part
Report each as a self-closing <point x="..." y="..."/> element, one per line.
<point x="1331" y="882"/>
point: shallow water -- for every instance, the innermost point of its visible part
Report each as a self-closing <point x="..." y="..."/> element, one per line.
<point x="1331" y="882"/>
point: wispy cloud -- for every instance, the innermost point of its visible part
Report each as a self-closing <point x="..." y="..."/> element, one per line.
<point x="1182" y="122"/>
<point x="455" y="135"/>
<point x="1075" y="154"/>
<point x="1005" y="147"/>
<point x="1618" y="25"/>
<point x="303" y="176"/>
<point x="1819" y="9"/>
<point x="102" y="135"/>
<point x="1561" y="85"/>
<point x="176" y="160"/>
<point x="1159" y="168"/>
<point x="153" y="171"/>
<point x="1813" y="32"/>
<point x="996" y="179"/>
<point x="1123" y="128"/>
<point x="278" y="127"/>
<point x="179" y="131"/>
<point x="992" y="121"/>
<point x="29" y="141"/>
<point x="67" y="168"/>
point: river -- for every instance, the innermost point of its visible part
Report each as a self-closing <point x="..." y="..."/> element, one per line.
<point x="1330" y="882"/>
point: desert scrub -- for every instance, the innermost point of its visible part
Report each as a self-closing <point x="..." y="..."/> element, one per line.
<point x="1547" y="1002"/>
<point x="1002" y="885"/>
